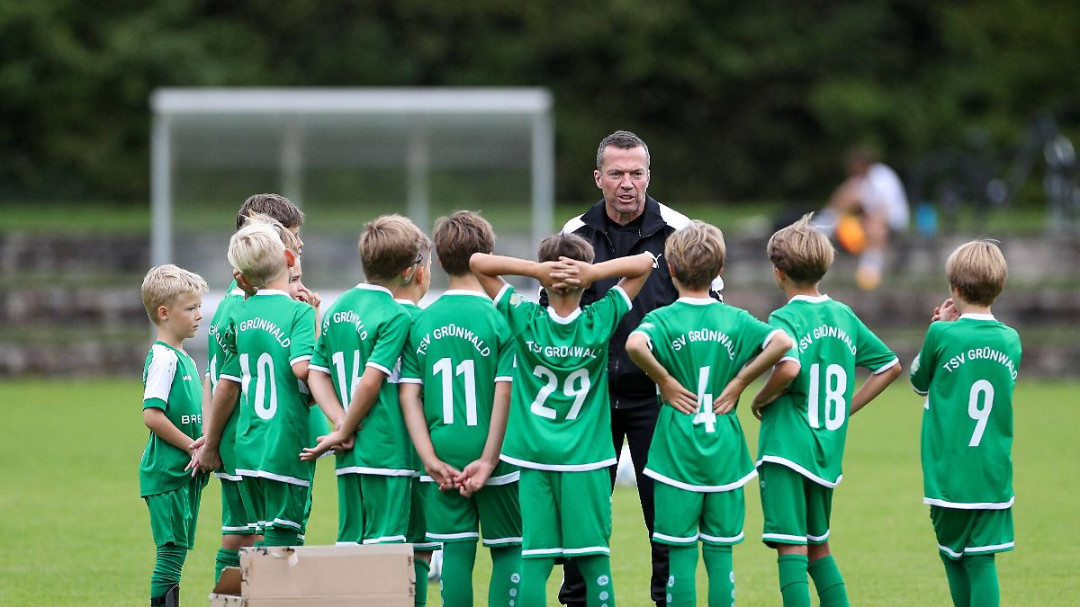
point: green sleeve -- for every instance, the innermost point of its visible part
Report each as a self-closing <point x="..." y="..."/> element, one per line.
<point x="871" y="352"/>
<point x="777" y="322"/>
<point x="505" y="367"/>
<point x="922" y="368"/>
<point x="302" y="340"/>
<point x="610" y="309"/>
<point x="410" y="361"/>
<point x="753" y="334"/>
<point x="516" y="311"/>
<point x="230" y="367"/>
<point x="389" y="341"/>
<point x="649" y="328"/>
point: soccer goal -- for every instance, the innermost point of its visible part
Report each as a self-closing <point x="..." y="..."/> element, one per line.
<point x="345" y="156"/>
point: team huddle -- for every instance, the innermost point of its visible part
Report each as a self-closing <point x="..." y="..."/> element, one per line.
<point x="477" y="418"/>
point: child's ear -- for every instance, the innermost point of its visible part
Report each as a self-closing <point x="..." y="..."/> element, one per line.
<point x="162" y="313"/>
<point x="244" y="284"/>
<point x="290" y="257"/>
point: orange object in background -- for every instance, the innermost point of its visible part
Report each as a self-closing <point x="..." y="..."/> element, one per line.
<point x="850" y="234"/>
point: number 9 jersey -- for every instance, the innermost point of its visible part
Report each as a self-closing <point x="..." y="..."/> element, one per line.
<point x="806" y="428"/>
<point x="560" y="412"/>
<point x="967" y="369"/>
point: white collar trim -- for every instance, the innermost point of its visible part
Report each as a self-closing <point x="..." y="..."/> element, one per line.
<point x="978" y="316"/>
<point x="262" y="292"/>
<point x="465" y="292"/>
<point x="370" y="287"/>
<point x="697" y="301"/>
<point x="563" y="320"/>
<point x="810" y="299"/>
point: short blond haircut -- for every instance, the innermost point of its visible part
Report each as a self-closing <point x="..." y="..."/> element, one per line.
<point x="801" y="251"/>
<point x="977" y="271"/>
<point x="696" y="254"/>
<point x="256" y="252"/>
<point x="290" y="240"/>
<point x="163" y="284"/>
<point x="390" y="244"/>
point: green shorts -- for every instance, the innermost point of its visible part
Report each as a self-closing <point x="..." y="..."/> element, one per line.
<point x="565" y="514"/>
<point x="683" y="517"/>
<point x="796" y="509"/>
<point x="236" y="517"/>
<point x="453" y="518"/>
<point x="277" y="505"/>
<point x="963" y="533"/>
<point x="373" y="509"/>
<point x="416" y="534"/>
<point x="174" y="514"/>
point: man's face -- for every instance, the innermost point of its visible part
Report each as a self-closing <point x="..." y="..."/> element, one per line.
<point x="624" y="177"/>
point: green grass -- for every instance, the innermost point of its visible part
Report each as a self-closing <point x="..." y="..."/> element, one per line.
<point x="76" y="532"/>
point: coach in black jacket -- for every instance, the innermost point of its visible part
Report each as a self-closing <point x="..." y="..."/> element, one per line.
<point x="627" y="221"/>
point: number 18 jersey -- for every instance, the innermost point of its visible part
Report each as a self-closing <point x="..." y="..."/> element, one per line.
<point x="805" y="429"/>
<point x="560" y="414"/>
<point x="967" y="369"/>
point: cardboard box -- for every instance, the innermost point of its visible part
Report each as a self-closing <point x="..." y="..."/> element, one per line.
<point x="319" y="575"/>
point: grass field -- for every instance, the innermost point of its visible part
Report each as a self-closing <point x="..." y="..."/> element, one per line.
<point x="76" y="533"/>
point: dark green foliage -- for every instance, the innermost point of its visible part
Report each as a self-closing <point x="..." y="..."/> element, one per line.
<point x="744" y="100"/>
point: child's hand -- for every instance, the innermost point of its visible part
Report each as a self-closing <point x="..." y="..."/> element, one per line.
<point x="204" y="459"/>
<point x="571" y="273"/>
<point x="947" y="311"/>
<point x="756" y="408"/>
<point x="347" y="444"/>
<point x="309" y="297"/>
<point x="442" y="473"/>
<point x="726" y="401"/>
<point x="325" y="444"/>
<point x="674" y="394"/>
<point x="473" y="477"/>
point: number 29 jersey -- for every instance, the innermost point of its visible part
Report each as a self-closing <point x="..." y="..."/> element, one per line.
<point x="967" y="370"/>
<point x="805" y="429"/>
<point x="560" y="413"/>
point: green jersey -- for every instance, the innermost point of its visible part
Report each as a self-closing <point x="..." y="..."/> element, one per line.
<point x="219" y="326"/>
<point x="395" y="378"/>
<point x="559" y="407"/>
<point x="806" y="427"/>
<point x="170" y="383"/>
<point x="459" y="348"/>
<point x="703" y="344"/>
<point x="366" y="328"/>
<point x="271" y="332"/>
<point x="967" y="370"/>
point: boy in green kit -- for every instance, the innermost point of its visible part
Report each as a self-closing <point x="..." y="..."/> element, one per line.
<point x="804" y="427"/>
<point x="460" y="360"/>
<point x="238" y="525"/>
<point x="267" y="353"/>
<point x="559" y="406"/>
<point x="172" y="410"/>
<point x="363" y="334"/>
<point x="967" y="370"/>
<point x="698" y="456"/>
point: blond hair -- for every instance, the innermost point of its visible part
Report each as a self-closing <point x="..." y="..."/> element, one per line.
<point x="163" y="284"/>
<point x="390" y="244"/>
<point x="460" y="235"/>
<point x="288" y="238"/>
<point x="696" y="254"/>
<point x="801" y="251"/>
<point x="256" y="251"/>
<point x="977" y="271"/>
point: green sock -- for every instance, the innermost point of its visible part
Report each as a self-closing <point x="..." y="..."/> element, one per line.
<point x="829" y="582"/>
<point x="793" y="583"/>
<point x="959" y="584"/>
<point x="281" y="537"/>
<point x="167" y="567"/>
<point x="682" y="568"/>
<point x="457" y="567"/>
<point x="596" y="570"/>
<point x="982" y="573"/>
<point x="505" y="575"/>
<point x="718" y="564"/>
<point x="225" y="558"/>
<point x="534" y="575"/>
<point x="421" y="568"/>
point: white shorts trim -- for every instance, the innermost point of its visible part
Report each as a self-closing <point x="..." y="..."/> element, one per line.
<point x="700" y="488"/>
<point x="781" y="537"/>
<point x="248" y="527"/>
<point x="723" y="540"/>
<point x="558" y="467"/>
<point x="375" y="471"/>
<point x="965" y="506"/>
<point x="228" y="477"/>
<point x="501" y="541"/>
<point x="281" y="478"/>
<point x="453" y="536"/>
<point x="773" y="459"/>
<point x="393" y="539"/>
<point x="566" y="551"/>
<point x="994" y="548"/>
<point x="677" y="540"/>
<point x="818" y="538"/>
<point x="281" y="521"/>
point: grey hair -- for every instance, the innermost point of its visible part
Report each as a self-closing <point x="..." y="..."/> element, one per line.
<point x="624" y="140"/>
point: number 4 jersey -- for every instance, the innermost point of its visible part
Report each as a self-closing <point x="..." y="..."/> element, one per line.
<point x="967" y="369"/>
<point x="560" y="414"/>
<point x="805" y="429"/>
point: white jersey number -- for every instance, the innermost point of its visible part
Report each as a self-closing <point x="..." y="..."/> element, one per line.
<point x="265" y="400"/>
<point x="705" y="413"/>
<point x="981" y="390"/>
<point x="576" y="384"/>
<point x="345" y="388"/>
<point x="835" y="388"/>
<point x="467" y="370"/>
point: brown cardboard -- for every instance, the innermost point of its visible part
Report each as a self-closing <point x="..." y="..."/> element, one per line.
<point x="319" y="575"/>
